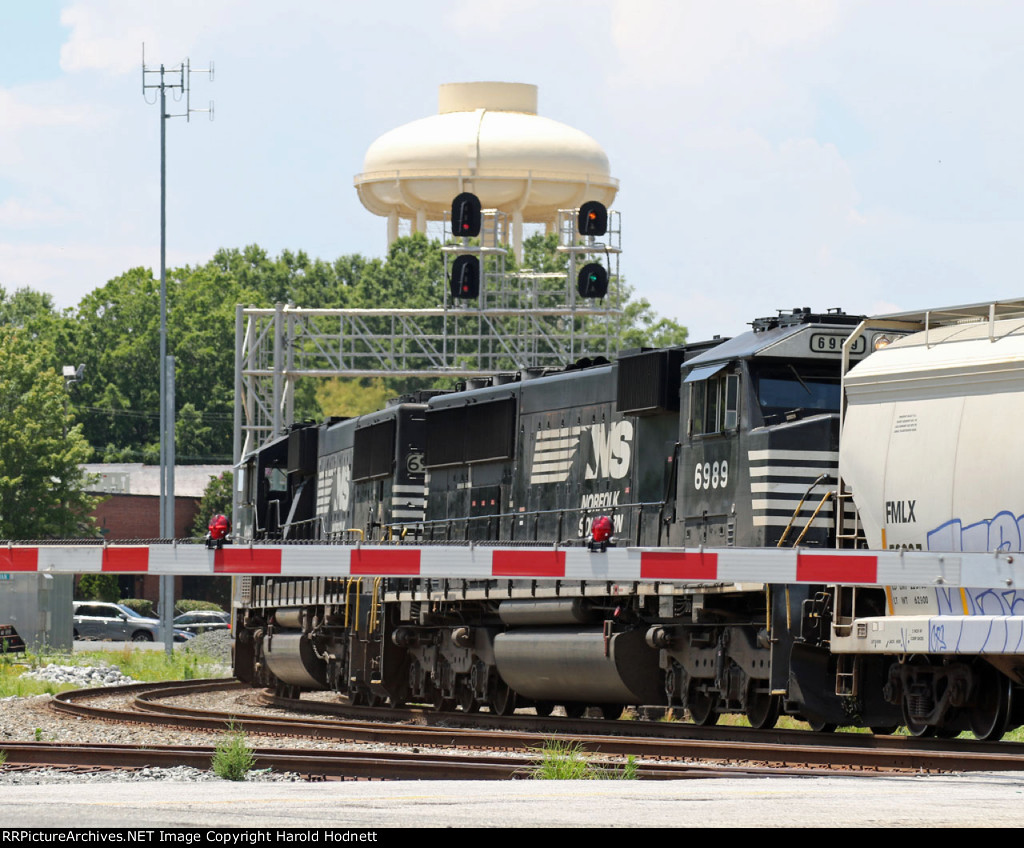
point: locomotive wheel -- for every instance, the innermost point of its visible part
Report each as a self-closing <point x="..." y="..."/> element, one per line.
<point x="544" y="708"/>
<point x="611" y="712"/>
<point x="989" y="711"/>
<point x="443" y="704"/>
<point x="702" y="708"/>
<point x="884" y="730"/>
<point x="819" y="726"/>
<point x="467" y="700"/>
<point x="503" y="701"/>
<point x="762" y="708"/>
<point x="575" y="710"/>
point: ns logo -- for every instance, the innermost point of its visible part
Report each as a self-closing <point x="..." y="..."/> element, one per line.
<point x="609" y="455"/>
<point x="341" y="485"/>
<point x="612" y="450"/>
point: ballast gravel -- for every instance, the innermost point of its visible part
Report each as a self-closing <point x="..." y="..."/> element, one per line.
<point x="81" y="676"/>
<point x="30" y="719"/>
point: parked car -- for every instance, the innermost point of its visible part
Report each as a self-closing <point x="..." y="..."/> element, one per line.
<point x="202" y="620"/>
<point x="99" y="620"/>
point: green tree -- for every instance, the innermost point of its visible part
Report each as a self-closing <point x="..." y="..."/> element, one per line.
<point x="42" y="487"/>
<point x="98" y="587"/>
<point x="117" y="336"/>
<point x="349" y="398"/>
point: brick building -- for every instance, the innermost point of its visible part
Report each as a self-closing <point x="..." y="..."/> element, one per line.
<point x="131" y="510"/>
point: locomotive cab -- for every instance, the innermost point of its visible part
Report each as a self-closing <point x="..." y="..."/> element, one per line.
<point x="759" y="429"/>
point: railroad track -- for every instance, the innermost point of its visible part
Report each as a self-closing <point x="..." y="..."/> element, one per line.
<point x="663" y="750"/>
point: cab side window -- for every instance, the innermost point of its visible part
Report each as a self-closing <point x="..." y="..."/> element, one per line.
<point x="714" y="404"/>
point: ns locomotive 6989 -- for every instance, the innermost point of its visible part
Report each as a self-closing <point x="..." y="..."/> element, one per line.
<point x="721" y="443"/>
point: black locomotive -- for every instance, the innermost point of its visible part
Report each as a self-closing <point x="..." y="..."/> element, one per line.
<point x="720" y="443"/>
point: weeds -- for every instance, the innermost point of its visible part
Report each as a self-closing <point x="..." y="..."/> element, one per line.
<point x="233" y="758"/>
<point x="567" y="761"/>
<point x="145" y="666"/>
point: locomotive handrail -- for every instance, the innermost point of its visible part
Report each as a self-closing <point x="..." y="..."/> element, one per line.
<point x="822" y="478"/>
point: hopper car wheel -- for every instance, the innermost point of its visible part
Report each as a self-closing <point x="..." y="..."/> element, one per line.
<point x="915" y="727"/>
<point x="884" y="730"/>
<point x="819" y="726"/>
<point x="611" y="712"/>
<point x="702" y="708"/>
<point x="504" y="700"/>
<point x="575" y="710"/>
<point x="762" y="708"/>
<point x="544" y="708"/>
<point x="989" y="711"/>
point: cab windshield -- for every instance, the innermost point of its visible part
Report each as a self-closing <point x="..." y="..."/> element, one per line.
<point x="788" y="389"/>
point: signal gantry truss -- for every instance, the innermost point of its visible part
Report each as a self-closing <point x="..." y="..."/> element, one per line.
<point x="520" y="321"/>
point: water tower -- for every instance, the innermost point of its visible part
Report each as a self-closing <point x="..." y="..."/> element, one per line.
<point x="487" y="138"/>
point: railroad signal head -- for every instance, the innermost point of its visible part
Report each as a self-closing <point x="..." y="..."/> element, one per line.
<point x="465" y="281"/>
<point x="592" y="219"/>
<point x="467" y="216"/>
<point x="592" y="280"/>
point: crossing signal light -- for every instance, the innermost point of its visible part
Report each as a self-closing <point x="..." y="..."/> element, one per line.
<point x="592" y="281"/>
<point x="465" y="282"/>
<point x="467" y="215"/>
<point x="592" y="219"/>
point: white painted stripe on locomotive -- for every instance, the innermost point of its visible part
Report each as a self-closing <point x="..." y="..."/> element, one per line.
<point x="415" y="514"/>
<point x="413" y="490"/>
<point x="558" y="432"/>
<point x="788" y="488"/>
<point x="555" y="455"/>
<point x="810" y="473"/>
<point x="790" y="503"/>
<point x="770" y="454"/>
<point x="560" y="477"/>
<point x="558" y="465"/>
<point x="567" y="443"/>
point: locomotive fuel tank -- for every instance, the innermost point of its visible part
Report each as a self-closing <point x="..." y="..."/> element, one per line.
<point x="572" y="664"/>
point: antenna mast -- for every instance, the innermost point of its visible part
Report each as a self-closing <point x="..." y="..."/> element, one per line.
<point x="177" y="80"/>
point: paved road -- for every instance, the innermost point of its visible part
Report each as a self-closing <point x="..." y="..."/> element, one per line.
<point x="992" y="800"/>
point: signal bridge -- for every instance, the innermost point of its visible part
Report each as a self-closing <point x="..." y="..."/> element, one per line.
<point x="490" y="321"/>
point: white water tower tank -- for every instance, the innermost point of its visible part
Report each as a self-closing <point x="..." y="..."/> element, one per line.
<point x="488" y="139"/>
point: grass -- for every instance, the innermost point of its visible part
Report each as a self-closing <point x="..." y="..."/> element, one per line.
<point x="233" y="759"/>
<point x="568" y="761"/>
<point x="145" y="666"/>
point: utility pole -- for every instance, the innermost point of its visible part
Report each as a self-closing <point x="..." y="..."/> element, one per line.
<point x="177" y="80"/>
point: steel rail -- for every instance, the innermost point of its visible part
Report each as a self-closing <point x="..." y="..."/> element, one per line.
<point x="789" y="748"/>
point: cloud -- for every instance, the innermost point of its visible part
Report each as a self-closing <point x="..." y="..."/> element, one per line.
<point x="26" y="107"/>
<point x="107" y="35"/>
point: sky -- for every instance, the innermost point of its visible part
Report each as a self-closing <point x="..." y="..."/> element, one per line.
<point x="772" y="154"/>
